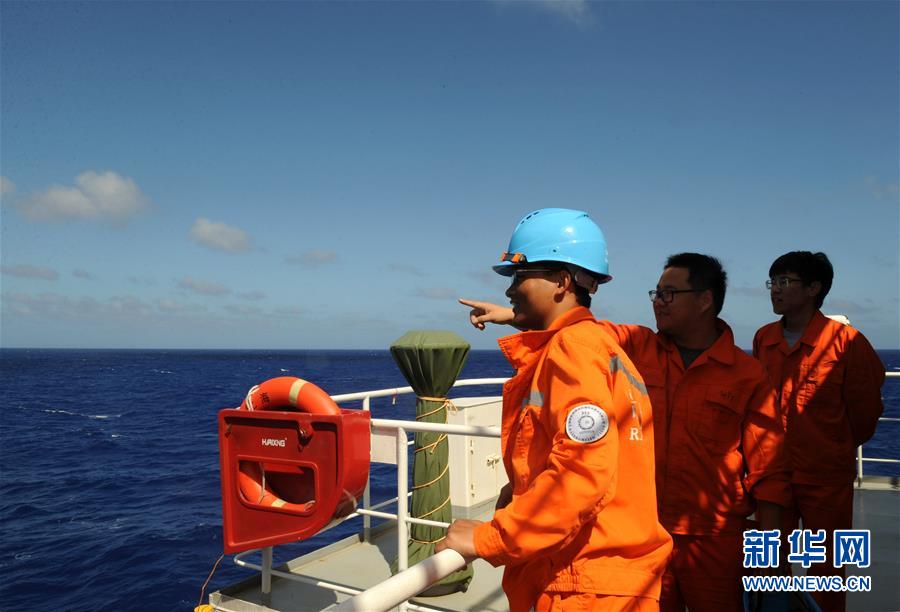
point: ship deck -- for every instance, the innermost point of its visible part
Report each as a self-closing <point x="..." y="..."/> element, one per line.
<point x="359" y="565"/>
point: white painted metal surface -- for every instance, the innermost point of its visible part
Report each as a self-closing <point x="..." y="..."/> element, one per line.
<point x="405" y="585"/>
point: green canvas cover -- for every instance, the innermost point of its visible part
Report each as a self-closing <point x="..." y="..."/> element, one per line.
<point x="431" y="361"/>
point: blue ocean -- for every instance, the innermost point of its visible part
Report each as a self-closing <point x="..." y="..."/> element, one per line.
<point x="110" y="476"/>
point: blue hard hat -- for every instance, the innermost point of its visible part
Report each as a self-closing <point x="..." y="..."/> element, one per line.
<point x="557" y="234"/>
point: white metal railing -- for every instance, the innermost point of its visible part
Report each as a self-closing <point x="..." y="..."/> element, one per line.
<point x="408" y="582"/>
<point x="432" y="569"/>
<point x="860" y="459"/>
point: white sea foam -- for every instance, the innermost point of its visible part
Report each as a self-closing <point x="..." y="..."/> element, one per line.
<point x="284" y="370"/>
<point x="50" y="411"/>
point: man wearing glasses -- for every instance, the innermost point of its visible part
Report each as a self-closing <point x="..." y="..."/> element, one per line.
<point x="718" y="437"/>
<point x="577" y="526"/>
<point x="828" y="379"/>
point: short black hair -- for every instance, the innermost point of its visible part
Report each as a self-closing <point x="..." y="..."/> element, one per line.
<point x="704" y="272"/>
<point x="582" y="295"/>
<point x="810" y="267"/>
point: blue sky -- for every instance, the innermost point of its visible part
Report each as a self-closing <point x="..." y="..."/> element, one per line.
<point x="331" y="175"/>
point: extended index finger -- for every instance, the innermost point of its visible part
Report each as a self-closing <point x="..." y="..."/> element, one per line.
<point x="472" y="303"/>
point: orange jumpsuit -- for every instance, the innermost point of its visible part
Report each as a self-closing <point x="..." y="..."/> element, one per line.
<point x="582" y="519"/>
<point x="719" y="448"/>
<point x="829" y="389"/>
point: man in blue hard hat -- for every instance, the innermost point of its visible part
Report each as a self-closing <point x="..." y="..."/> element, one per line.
<point x="719" y="441"/>
<point x="576" y="527"/>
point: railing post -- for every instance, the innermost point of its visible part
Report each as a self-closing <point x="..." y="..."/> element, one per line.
<point x="367" y="499"/>
<point x="859" y="466"/>
<point x="267" y="576"/>
<point x="402" y="504"/>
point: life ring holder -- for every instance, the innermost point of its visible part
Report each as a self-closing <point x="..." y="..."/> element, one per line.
<point x="281" y="393"/>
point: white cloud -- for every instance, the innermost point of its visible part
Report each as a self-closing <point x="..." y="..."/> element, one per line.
<point x="408" y="269"/>
<point x="437" y="293"/>
<point x="82" y="273"/>
<point x="881" y="190"/>
<point x="203" y="287"/>
<point x="252" y="296"/>
<point x="30" y="272"/>
<point x="57" y="306"/>
<point x="745" y="291"/>
<point x="576" y="11"/>
<point x="289" y="311"/>
<point x="219" y="236"/>
<point x="489" y="278"/>
<point x="312" y="258"/>
<point x="103" y="196"/>
<point x="174" y="306"/>
<point x="243" y="310"/>
<point x="836" y="305"/>
<point x="7" y="187"/>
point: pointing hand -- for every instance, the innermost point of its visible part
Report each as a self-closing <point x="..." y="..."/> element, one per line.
<point x="486" y="312"/>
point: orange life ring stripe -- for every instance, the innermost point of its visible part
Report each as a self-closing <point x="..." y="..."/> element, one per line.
<point x="284" y="392"/>
<point x="289" y="392"/>
<point x="250" y="480"/>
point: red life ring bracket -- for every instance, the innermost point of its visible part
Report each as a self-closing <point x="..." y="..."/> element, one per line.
<point x="292" y="461"/>
<point x="282" y="393"/>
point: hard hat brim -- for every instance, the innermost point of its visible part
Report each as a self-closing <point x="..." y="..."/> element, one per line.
<point x="504" y="269"/>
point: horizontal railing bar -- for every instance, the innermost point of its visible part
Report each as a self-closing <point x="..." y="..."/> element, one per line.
<point x="465" y="430"/>
<point x="409" y="519"/>
<point x="468" y="382"/>
<point x="338" y="588"/>
<point x="406" y="584"/>
<point x="877" y="460"/>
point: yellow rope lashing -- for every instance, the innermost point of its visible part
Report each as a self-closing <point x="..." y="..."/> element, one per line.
<point x="446" y="403"/>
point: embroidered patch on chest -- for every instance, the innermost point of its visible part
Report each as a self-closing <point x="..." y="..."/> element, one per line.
<point x="587" y="423"/>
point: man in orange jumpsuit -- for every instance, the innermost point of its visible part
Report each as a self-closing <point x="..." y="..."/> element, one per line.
<point x="828" y="379"/>
<point x="576" y="527"/>
<point x="718" y="438"/>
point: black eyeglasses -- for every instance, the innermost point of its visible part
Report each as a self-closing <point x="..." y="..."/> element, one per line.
<point x="782" y="282"/>
<point x="667" y="295"/>
<point x="520" y="274"/>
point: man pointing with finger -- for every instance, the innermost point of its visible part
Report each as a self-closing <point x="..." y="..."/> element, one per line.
<point x="576" y="527"/>
<point x="718" y="437"/>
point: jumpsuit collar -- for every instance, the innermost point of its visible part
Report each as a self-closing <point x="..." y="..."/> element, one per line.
<point x="722" y="350"/>
<point x="523" y="348"/>
<point x="810" y="334"/>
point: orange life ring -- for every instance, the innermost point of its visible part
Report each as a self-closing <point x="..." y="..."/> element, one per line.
<point x="289" y="392"/>
<point x="284" y="392"/>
